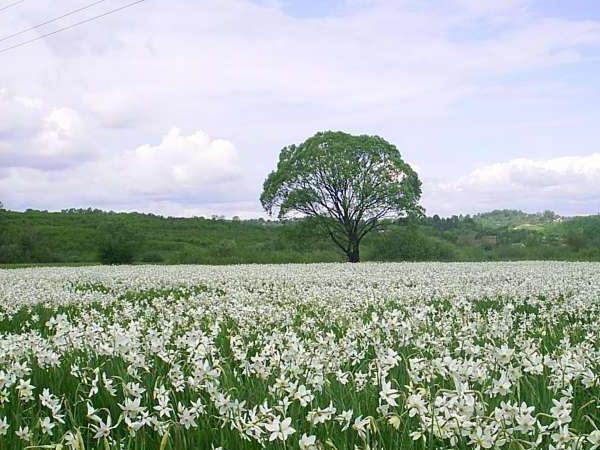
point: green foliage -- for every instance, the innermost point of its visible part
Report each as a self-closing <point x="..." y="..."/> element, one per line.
<point x="25" y="244"/>
<point x="226" y="247"/>
<point x="116" y="245"/>
<point x="501" y="218"/>
<point x="347" y="183"/>
<point x="410" y="243"/>
<point x="75" y="237"/>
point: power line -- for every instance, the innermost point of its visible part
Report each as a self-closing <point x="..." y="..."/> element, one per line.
<point x="10" y="5"/>
<point x="51" y="20"/>
<point x="76" y="24"/>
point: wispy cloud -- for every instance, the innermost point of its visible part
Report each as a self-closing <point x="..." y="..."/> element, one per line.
<point x="570" y="184"/>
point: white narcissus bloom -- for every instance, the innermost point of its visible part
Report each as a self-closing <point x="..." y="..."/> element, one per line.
<point x="3" y="426"/>
<point x="387" y="394"/>
<point x="415" y="404"/>
<point x="131" y="407"/>
<point x="303" y="395"/>
<point x="4" y="396"/>
<point x="360" y="426"/>
<point x="321" y="415"/>
<point x="307" y="442"/>
<point x="3" y="379"/>
<point x="185" y="346"/>
<point x="163" y="408"/>
<point x="25" y="390"/>
<point x="46" y="425"/>
<point x="504" y="354"/>
<point x="71" y="440"/>
<point x="280" y="429"/>
<point x="561" y="411"/>
<point x="481" y="439"/>
<point x="562" y="436"/>
<point x="102" y="429"/>
<point x="524" y="420"/>
<point x="345" y="418"/>
<point x="24" y="433"/>
<point x="187" y="417"/>
<point x="594" y="439"/>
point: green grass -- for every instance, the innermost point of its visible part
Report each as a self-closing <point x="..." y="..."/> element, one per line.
<point x="149" y="307"/>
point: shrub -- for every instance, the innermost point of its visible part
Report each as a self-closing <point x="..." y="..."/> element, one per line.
<point x="408" y="243"/>
<point x="115" y="251"/>
<point x="116" y="245"/>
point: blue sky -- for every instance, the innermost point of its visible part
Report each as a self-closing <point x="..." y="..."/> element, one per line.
<point x="181" y="107"/>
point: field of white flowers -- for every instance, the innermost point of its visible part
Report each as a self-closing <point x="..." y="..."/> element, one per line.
<point x="331" y="356"/>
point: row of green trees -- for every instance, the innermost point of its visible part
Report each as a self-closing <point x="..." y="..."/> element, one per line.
<point x="85" y="237"/>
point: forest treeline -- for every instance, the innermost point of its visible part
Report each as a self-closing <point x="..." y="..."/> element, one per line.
<point x="91" y="235"/>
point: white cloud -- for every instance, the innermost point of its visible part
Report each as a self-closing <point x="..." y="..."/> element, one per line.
<point x="115" y="108"/>
<point x="17" y="115"/>
<point x="181" y="170"/>
<point x="250" y="72"/>
<point x="179" y="164"/>
<point x="246" y="50"/>
<point x="33" y="134"/>
<point x="61" y="135"/>
<point x="570" y="185"/>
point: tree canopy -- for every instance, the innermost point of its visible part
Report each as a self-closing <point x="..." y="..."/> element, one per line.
<point x="348" y="183"/>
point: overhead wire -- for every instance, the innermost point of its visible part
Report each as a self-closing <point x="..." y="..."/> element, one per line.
<point x="68" y="27"/>
<point x="47" y="22"/>
<point x="10" y="5"/>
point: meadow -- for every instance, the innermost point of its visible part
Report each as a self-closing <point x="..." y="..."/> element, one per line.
<point x="315" y="356"/>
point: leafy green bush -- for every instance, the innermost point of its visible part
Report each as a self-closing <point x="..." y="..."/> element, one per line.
<point x="408" y="243"/>
<point x="115" y="251"/>
<point x="116" y="245"/>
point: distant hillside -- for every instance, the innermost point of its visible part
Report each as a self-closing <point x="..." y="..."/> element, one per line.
<point x="88" y="236"/>
<point x="502" y="218"/>
<point x="80" y="235"/>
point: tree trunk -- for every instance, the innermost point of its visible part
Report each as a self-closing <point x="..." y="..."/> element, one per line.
<point x="353" y="254"/>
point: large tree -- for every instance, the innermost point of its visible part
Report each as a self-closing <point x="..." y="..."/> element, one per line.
<point x="347" y="183"/>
